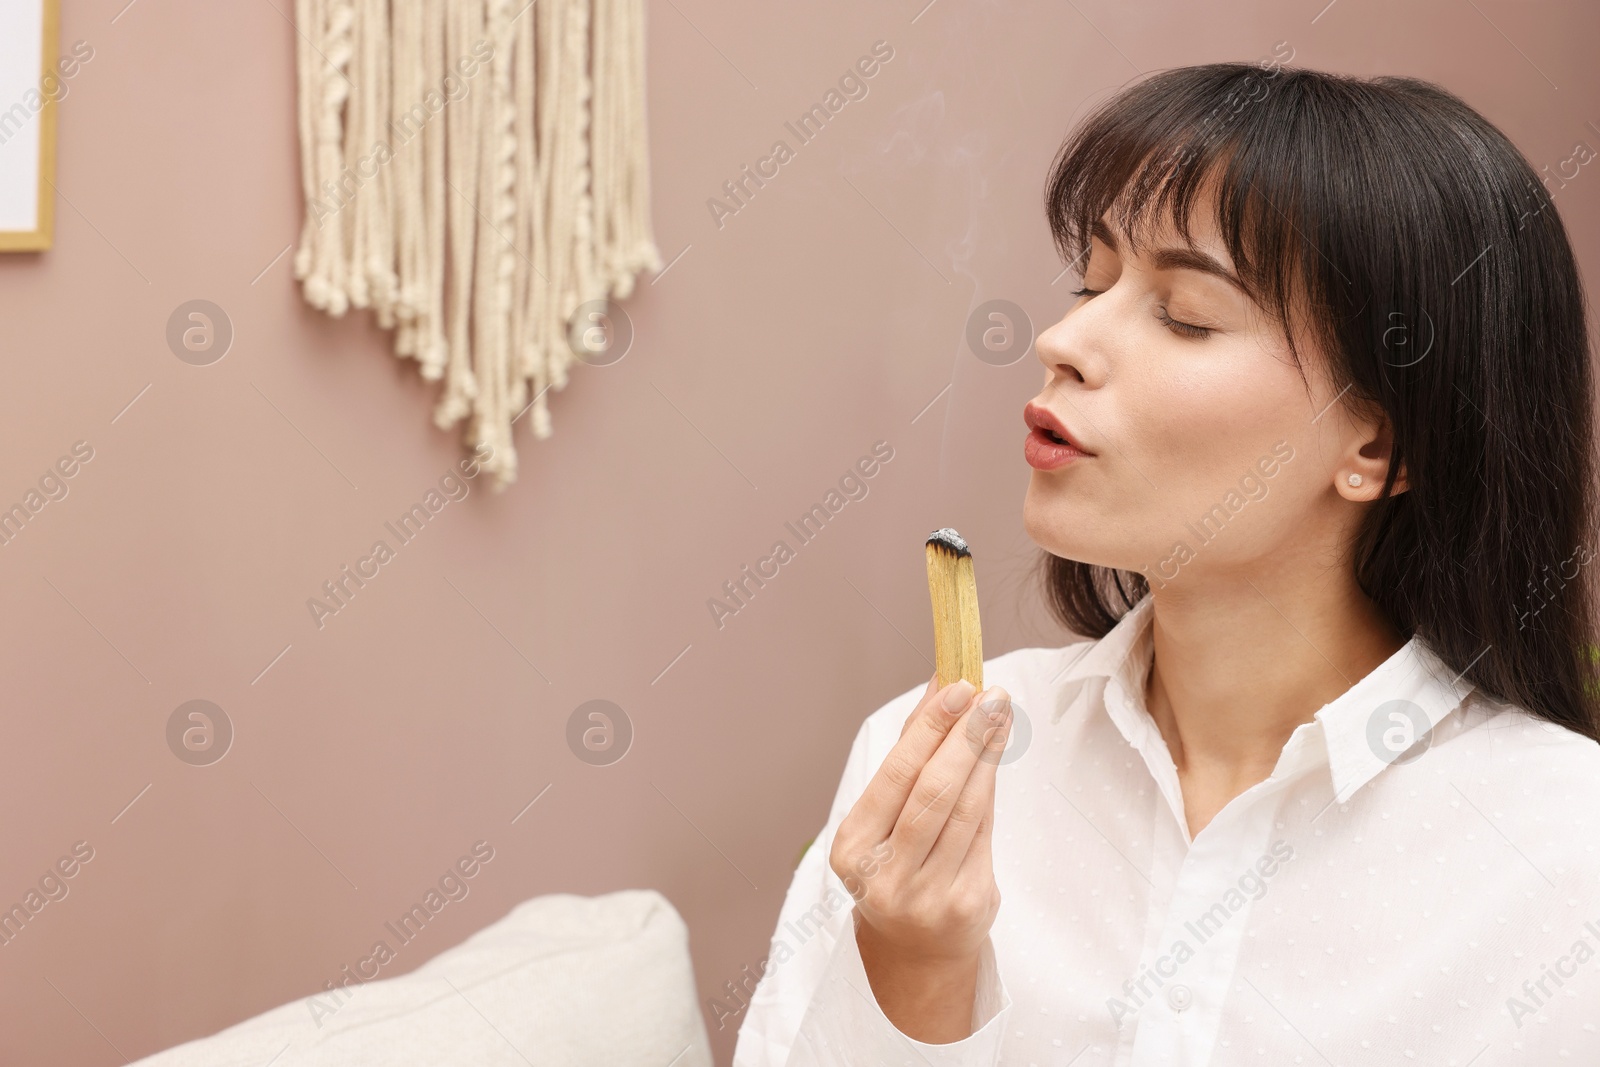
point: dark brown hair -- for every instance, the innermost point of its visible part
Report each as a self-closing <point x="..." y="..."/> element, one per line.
<point x="1419" y="251"/>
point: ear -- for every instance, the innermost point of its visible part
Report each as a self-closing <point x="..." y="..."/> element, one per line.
<point x="1369" y="443"/>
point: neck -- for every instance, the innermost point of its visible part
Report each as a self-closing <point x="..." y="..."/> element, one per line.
<point x="1238" y="665"/>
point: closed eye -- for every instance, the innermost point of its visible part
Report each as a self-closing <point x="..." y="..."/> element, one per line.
<point x="1183" y="329"/>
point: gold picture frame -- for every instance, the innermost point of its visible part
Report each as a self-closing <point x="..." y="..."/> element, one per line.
<point x="41" y="235"/>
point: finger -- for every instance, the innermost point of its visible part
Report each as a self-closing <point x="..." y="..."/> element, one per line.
<point x="970" y="823"/>
<point x="878" y="808"/>
<point x="979" y="861"/>
<point x="940" y="785"/>
<point x="933" y="683"/>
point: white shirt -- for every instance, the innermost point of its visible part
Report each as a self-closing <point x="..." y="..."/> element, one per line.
<point x="1370" y="902"/>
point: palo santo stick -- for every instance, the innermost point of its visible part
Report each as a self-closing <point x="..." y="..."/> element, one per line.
<point x="957" y="640"/>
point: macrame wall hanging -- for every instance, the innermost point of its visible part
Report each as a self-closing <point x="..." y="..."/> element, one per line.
<point x="475" y="171"/>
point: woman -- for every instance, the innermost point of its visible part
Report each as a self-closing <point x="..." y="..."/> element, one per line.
<point x="1312" y="464"/>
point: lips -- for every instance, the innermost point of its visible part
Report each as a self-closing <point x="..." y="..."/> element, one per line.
<point x="1050" y="430"/>
<point x="1049" y="444"/>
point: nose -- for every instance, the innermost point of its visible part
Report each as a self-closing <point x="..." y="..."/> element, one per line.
<point x="1066" y="349"/>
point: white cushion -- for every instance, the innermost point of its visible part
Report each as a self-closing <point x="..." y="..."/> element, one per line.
<point x="565" y="979"/>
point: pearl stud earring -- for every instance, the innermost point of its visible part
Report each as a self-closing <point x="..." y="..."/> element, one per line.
<point x="1354" y="479"/>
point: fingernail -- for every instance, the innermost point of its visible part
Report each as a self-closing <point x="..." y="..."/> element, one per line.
<point x="997" y="704"/>
<point x="959" y="696"/>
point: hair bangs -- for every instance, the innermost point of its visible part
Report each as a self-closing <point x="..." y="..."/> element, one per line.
<point x="1215" y="137"/>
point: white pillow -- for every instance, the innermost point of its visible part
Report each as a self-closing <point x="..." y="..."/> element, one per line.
<point x="561" y="980"/>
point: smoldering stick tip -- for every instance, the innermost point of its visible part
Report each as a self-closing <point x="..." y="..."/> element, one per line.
<point x="949" y="539"/>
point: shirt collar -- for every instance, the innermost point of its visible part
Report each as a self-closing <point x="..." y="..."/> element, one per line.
<point x="1091" y="665"/>
<point x="1388" y="715"/>
<point x="1372" y="724"/>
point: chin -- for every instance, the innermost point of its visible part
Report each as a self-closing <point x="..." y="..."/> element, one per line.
<point x="1063" y="525"/>
<point x="1053" y="520"/>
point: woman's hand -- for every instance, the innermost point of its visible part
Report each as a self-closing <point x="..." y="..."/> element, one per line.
<point x="914" y="852"/>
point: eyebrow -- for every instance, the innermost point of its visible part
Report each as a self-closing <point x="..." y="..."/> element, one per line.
<point x="1175" y="258"/>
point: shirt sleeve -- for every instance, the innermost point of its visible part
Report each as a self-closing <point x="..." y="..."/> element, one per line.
<point x="813" y="1006"/>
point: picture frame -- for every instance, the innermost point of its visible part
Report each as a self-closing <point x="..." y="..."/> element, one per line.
<point x="29" y="90"/>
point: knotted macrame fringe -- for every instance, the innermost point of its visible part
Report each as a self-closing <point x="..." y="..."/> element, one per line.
<point x="474" y="171"/>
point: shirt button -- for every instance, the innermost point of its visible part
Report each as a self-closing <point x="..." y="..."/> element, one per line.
<point x="1178" y="997"/>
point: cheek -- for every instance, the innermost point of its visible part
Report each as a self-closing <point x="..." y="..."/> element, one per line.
<point x="1203" y="424"/>
<point x="1210" y="454"/>
<point x="1188" y="430"/>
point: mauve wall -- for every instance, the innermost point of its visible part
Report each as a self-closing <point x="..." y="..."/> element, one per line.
<point x="823" y="317"/>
